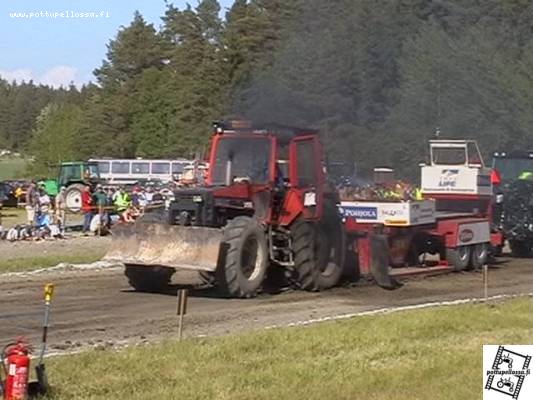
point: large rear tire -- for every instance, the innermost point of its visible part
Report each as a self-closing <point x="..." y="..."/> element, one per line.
<point x="73" y="197"/>
<point x="148" y="279"/>
<point x="317" y="256"/>
<point x="243" y="258"/>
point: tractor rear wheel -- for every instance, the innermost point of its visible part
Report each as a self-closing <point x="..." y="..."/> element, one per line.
<point x="148" y="279"/>
<point x="317" y="256"/>
<point x="243" y="258"/>
<point x="73" y="197"/>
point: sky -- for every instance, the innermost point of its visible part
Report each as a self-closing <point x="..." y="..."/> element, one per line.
<point x="56" y="50"/>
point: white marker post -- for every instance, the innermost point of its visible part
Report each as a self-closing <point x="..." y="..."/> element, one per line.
<point x="486" y="282"/>
<point x="181" y="310"/>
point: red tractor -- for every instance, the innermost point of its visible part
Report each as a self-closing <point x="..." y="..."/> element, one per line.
<point x="266" y="205"/>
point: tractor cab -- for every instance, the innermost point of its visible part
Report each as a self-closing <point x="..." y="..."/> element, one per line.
<point x="251" y="172"/>
<point x="512" y="165"/>
<point x="77" y="172"/>
<point x="73" y="176"/>
<point x="242" y="158"/>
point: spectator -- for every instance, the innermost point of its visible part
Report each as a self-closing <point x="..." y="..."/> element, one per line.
<point x="60" y="208"/>
<point x="149" y="195"/>
<point x="87" y="209"/>
<point x="19" y="192"/>
<point x="135" y="194"/>
<point x="122" y="200"/>
<point x="44" y="220"/>
<point x="110" y="194"/>
<point x="32" y="202"/>
<point x="44" y="200"/>
<point x="100" y="200"/>
<point x="129" y="214"/>
<point x="141" y="199"/>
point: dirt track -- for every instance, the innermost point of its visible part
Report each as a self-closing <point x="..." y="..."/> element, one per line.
<point x="98" y="308"/>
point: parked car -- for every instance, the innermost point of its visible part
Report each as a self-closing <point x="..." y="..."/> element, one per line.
<point x="7" y="194"/>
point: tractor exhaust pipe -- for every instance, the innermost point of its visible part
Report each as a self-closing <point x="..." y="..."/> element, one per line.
<point x="229" y="172"/>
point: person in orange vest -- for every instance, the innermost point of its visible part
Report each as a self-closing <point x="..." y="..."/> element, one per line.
<point x="87" y="208"/>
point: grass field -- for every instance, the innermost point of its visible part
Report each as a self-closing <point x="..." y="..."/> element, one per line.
<point x="426" y="354"/>
<point x="12" y="216"/>
<point x="30" y="263"/>
<point x="12" y="168"/>
<point x="31" y="256"/>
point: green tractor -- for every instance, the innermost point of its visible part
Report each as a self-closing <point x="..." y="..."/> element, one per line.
<point x="74" y="176"/>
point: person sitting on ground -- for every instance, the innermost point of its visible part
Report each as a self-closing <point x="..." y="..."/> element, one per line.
<point x="44" y="220"/>
<point x="128" y="215"/>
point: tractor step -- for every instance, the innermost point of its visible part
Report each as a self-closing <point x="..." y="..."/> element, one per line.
<point x="286" y="250"/>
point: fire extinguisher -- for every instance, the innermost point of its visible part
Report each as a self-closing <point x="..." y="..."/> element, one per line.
<point x="16" y="364"/>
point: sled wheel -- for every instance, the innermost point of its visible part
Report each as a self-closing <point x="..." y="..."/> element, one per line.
<point x="480" y="255"/>
<point x="459" y="257"/>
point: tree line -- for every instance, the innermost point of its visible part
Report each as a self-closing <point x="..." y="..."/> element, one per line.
<point x="377" y="77"/>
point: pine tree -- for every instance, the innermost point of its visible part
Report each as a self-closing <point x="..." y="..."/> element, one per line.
<point x="135" y="48"/>
<point x="153" y="110"/>
<point x="106" y="128"/>
<point x="53" y="139"/>
<point x="197" y="73"/>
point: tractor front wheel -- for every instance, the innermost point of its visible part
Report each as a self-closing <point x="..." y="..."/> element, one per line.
<point x="243" y="258"/>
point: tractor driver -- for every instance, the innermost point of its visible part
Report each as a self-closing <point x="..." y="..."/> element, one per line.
<point x="282" y="173"/>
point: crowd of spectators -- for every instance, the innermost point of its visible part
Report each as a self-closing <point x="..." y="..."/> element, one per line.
<point x="107" y="205"/>
<point x="101" y="207"/>
<point x="43" y="218"/>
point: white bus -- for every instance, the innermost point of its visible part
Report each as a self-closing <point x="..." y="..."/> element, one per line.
<point x="129" y="171"/>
